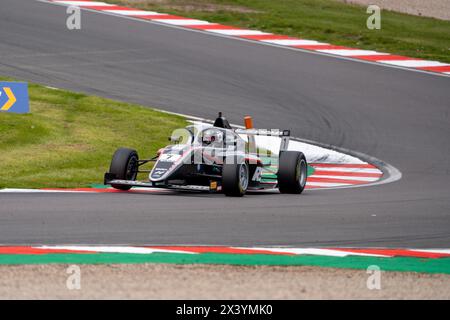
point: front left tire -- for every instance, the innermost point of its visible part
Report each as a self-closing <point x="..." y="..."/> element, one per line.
<point x="292" y="172"/>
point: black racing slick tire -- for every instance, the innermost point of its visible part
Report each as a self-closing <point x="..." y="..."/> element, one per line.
<point x="292" y="172"/>
<point x="235" y="179"/>
<point x="124" y="165"/>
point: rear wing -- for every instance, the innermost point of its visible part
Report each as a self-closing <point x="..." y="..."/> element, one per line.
<point x="283" y="134"/>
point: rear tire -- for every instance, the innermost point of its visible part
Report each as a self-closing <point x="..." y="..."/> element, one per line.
<point x="235" y="179"/>
<point x="292" y="172"/>
<point x="124" y="166"/>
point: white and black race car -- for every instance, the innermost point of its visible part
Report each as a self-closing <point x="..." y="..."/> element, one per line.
<point x="214" y="158"/>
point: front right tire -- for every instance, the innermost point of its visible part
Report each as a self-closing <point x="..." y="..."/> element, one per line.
<point x="235" y="179"/>
<point x="124" y="165"/>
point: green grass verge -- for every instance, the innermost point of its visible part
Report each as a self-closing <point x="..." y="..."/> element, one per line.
<point x="402" y="264"/>
<point x="324" y="20"/>
<point x="68" y="138"/>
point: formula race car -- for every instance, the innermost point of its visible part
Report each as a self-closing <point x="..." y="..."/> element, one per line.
<point x="214" y="158"/>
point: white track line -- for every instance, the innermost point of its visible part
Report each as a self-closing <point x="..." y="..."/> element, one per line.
<point x="237" y="32"/>
<point x="414" y="63"/>
<point x="327" y="184"/>
<point x="113" y="249"/>
<point x="368" y="179"/>
<point x="134" y="13"/>
<point x="313" y="251"/>
<point x="446" y="251"/>
<point x="352" y="52"/>
<point x="293" y="42"/>
<point x="182" y="22"/>
<point x="341" y="169"/>
<point x="86" y="3"/>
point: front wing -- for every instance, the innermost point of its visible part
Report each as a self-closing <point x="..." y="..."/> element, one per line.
<point x="109" y="179"/>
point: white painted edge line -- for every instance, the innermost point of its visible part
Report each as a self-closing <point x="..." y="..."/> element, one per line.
<point x="328" y="185"/>
<point x="131" y="12"/>
<point x="293" y="42"/>
<point x="86" y="3"/>
<point x="149" y="249"/>
<point x="183" y="22"/>
<point x="356" y="170"/>
<point x="313" y="251"/>
<point x="415" y="63"/>
<point x="113" y="249"/>
<point x="239" y="32"/>
<point x="368" y="179"/>
<point x="256" y="247"/>
<point x="447" y="251"/>
<point x="348" y="58"/>
<point x="352" y="52"/>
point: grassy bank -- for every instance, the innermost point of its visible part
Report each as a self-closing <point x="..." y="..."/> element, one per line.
<point x="69" y="138"/>
<point x="324" y="20"/>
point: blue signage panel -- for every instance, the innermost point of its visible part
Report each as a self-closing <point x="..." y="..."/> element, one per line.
<point x="14" y="97"/>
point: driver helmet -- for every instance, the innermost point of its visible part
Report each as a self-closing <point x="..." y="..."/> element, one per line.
<point x="212" y="137"/>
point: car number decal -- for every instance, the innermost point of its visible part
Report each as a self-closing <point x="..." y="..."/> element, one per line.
<point x="169" y="157"/>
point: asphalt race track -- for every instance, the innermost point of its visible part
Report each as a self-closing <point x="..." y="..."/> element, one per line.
<point x="399" y="116"/>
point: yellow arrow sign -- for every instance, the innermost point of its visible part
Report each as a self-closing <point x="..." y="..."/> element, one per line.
<point x="11" y="99"/>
